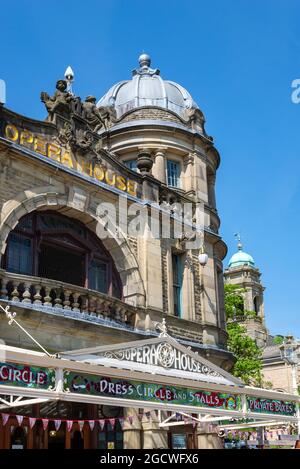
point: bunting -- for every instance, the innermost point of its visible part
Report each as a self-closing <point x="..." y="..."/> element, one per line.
<point x="101" y="423"/>
<point x="5" y="418"/>
<point x="45" y="423"/>
<point x="69" y="425"/>
<point x="81" y="424"/>
<point x="112" y="423"/>
<point x="20" y="419"/>
<point x="92" y="424"/>
<point x="32" y="421"/>
<point x="57" y="424"/>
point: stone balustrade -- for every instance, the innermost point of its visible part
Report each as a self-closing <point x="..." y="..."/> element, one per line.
<point x="48" y="293"/>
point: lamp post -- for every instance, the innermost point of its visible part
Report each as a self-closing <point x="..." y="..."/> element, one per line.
<point x="290" y="354"/>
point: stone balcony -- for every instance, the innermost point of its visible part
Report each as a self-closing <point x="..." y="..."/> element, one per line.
<point x="41" y="293"/>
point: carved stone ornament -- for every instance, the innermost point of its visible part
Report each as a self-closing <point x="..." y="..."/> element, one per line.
<point x="61" y="98"/>
<point x="165" y="355"/>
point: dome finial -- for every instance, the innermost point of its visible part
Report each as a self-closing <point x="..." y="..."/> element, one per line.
<point x="144" y="60"/>
<point x="238" y="238"/>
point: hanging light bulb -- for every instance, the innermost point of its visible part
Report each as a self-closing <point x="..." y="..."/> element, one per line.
<point x="203" y="257"/>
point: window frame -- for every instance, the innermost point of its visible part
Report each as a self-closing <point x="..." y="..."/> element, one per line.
<point x="87" y="244"/>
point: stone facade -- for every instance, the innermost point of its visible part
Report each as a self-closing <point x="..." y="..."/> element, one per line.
<point x="65" y="166"/>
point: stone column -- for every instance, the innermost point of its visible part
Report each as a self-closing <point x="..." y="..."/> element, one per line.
<point x="131" y="431"/>
<point x="154" y="437"/>
<point x="159" y="166"/>
<point x="188" y="294"/>
<point x="150" y="263"/>
<point x="211" y="180"/>
<point x="207" y="437"/>
<point x="188" y="177"/>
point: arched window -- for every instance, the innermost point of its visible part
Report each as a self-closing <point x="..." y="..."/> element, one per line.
<point x="256" y="304"/>
<point x="53" y="246"/>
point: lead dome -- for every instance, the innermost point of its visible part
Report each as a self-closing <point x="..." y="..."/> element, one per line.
<point x="147" y="88"/>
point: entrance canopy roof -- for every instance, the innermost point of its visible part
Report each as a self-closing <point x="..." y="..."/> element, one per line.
<point x="161" y="356"/>
<point x="156" y="374"/>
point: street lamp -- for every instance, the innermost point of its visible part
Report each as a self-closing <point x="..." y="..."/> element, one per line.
<point x="289" y="352"/>
<point x="203" y="257"/>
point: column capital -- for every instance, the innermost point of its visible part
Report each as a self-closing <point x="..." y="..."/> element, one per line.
<point x="189" y="158"/>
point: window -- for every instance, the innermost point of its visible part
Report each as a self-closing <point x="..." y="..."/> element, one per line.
<point x="19" y="254"/>
<point x="173" y="173"/>
<point x="131" y="164"/>
<point x="177" y="284"/>
<point x="51" y="245"/>
<point x="98" y="276"/>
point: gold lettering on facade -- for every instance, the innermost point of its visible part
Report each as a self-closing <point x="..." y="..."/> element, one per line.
<point x="54" y="151"/>
<point x="26" y="137"/>
<point x="12" y="133"/>
<point x="59" y="154"/>
<point x="40" y="146"/>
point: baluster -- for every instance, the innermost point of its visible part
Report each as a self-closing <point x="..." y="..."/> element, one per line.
<point x="26" y="294"/>
<point x="99" y="307"/>
<point x="4" y="291"/>
<point x="67" y="302"/>
<point x="75" y="305"/>
<point x="85" y="304"/>
<point x="57" y="301"/>
<point x="47" y="297"/>
<point x="15" y="293"/>
<point x="123" y="315"/>
<point x="37" y="297"/>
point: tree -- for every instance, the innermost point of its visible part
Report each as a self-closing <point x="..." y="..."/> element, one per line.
<point x="248" y="363"/>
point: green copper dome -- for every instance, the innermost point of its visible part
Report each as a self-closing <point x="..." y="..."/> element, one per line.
<point x="240" y="258"/>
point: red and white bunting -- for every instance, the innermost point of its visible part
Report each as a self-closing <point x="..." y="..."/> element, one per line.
<point x="45" y="423"/>
<point x="112" y="423"/>
<point x="102" y="423"/>
<point x="57" y="424"/>
<point x="81" y="424"/>
<point x="20" y="419"/>
<point x="5" y="418"/>
<point x="92" y="424"/>
<point x="32" y="421"/>
<point x="69" y="425"/>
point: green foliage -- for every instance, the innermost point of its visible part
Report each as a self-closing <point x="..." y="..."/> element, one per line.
<point x="234" y="302"/>
<point x="278" y="340"/>
<point x="248" y="363"/>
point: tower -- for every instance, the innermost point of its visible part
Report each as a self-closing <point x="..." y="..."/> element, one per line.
<point x="242" y="271"/>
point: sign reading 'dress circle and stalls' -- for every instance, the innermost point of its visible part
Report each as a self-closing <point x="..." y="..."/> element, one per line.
<point x="26" y="376"/>
<point x="135" y="390"/>
<point x="63" y="156"/>
<point x="271" y="406"/>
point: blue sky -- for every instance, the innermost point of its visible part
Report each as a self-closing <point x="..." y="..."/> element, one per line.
<point x="236" y="57"/>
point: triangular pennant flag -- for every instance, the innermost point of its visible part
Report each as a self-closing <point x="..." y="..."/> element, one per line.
<point x="45" y="423"/>
<point x="121" y="422"/>
<point x="130" y="419"/>
<point x="32" y="421"/>
<point x="69" y="425"/>
<point x="194" y="423"/>
<point x="112" y="423"/>
<point x="20" y="419"/>
<point x="5" y="418"/>
<point x="91" y="424"/>
<point x="80" y="423"/>
<point x="101" y="423"/>
<point x="57" y="424"/>
<point x="177" y="416"/>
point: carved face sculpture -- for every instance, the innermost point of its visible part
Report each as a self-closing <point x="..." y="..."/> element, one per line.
<point x="61" y="85"/>
<point x="90" y="99"/>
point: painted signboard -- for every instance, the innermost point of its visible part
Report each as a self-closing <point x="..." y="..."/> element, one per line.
<point x="270" y="406"/>
<point x="26" y="376"/>
<point x="135" y="390"/>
